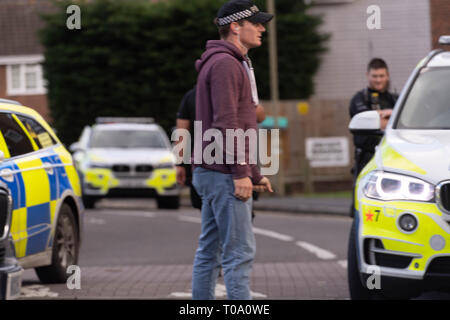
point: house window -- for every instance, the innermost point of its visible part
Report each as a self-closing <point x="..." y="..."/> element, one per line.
<point x="25" y="79"/>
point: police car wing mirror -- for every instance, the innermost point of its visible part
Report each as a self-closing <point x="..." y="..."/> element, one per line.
<point x="366" y="123"/>
<point x="75" y="147"/>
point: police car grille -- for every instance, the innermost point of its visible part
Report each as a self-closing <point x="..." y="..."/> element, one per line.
<point x="374" y="248"/>
<point x="445" y="196"/>
<point x="120" y="168"/>
<point x="392" y="260"/>
<point x="143" y="168"/>
<point x="439" y="266"/>
<point x="3" y="212"/>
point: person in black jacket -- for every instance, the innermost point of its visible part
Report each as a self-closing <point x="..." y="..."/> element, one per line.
<point x="375" y="96"/>
<point x="185" y="120"/>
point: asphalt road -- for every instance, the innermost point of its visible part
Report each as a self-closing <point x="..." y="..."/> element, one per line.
<point x="133" y="250"/>
<point x="144" y="235"/>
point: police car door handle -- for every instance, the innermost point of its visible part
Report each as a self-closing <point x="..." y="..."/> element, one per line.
<point x="7" y="174"/>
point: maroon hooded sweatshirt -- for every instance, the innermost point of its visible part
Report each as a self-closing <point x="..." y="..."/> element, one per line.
<point x="224" y="101"/>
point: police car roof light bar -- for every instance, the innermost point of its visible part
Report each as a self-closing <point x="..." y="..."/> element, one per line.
<point x="445" y="40"/>
<point x="140" y="120"/>
<point x="10" y="101"/>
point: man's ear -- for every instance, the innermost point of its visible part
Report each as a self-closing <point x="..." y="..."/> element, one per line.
<point x="234" y="27"/>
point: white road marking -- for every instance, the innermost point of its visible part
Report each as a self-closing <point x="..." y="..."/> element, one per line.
<point x="343" y="263"/>
<point x="92" y="220"/>
<point x="319" y="252"/>
<point x="130" y="214"/>
<point x="190" y="219"/>
<point x="262" y="232"/>
<point x="37" y="291"/>
<point x="272" y="234"/>
<point x="221" y="292"/>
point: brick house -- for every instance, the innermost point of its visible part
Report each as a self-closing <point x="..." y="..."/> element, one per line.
<point x="21" y="54"/>
<point x="440" y="22"/>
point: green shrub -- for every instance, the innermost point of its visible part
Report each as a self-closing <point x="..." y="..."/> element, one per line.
<point x="136" y="58"/>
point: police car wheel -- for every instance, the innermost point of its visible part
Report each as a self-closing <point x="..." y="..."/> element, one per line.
<point x="171" y="202"/>
<point x="64" y="250"/>
<point x="357" y="290"/>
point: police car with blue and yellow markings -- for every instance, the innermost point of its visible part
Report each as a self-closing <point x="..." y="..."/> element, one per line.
<point x="47" y="211"/>
<point x="399" y="244"/>
<point x="126" y="157"/>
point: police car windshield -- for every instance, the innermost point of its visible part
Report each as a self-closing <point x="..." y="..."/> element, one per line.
<point x="127" y="139"/>
<point x="428" y="103"/>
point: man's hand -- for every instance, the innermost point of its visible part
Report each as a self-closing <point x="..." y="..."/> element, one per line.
<point x="263" y="185"/>
<point x="384" y="117"/>
<point x="181" y="175"/>
<point x="243" y="188"/>
<point x="260" y="113"/>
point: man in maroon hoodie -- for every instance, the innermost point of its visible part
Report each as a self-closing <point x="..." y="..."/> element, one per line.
<point x="226" y="101"/>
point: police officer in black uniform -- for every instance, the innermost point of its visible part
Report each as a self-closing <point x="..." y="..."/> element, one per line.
<point x="185" y="120"/>
<point x="374" y="97"/>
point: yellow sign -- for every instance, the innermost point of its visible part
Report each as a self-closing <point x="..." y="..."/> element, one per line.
<point x="303" y="108"/>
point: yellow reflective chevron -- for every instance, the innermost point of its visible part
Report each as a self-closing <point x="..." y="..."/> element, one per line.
<point x="161" y="179"/>
<point x="104" y="179"/>
<point x="101" y="178"/>
<point x="393" y="159"/>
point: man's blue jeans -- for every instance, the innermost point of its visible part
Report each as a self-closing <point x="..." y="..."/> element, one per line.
<point x="226" y="238"/>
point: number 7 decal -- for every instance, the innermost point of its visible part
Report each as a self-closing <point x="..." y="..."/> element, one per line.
<point x="378" y="214"/>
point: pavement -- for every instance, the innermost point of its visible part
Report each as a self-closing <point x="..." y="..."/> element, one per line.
<point x="132" y="250"/>
<point x="272" y="281"/>
<point x="299" y="204"/>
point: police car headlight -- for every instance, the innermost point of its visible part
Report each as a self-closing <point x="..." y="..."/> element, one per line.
<point x="390" y="186"/>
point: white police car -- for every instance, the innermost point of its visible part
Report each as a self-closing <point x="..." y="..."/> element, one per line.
<point x="401" y="230"/>
<point x="126" y="157"/>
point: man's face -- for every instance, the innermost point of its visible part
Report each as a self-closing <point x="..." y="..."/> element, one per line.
<point x="378" y="79"/>
<point x="251" y="34"/>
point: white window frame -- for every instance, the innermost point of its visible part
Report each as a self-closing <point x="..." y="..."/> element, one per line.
<point x="22" y="62"/>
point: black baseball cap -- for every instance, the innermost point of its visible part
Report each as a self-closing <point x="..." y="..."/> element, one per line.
<point x="236" y="10"/>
